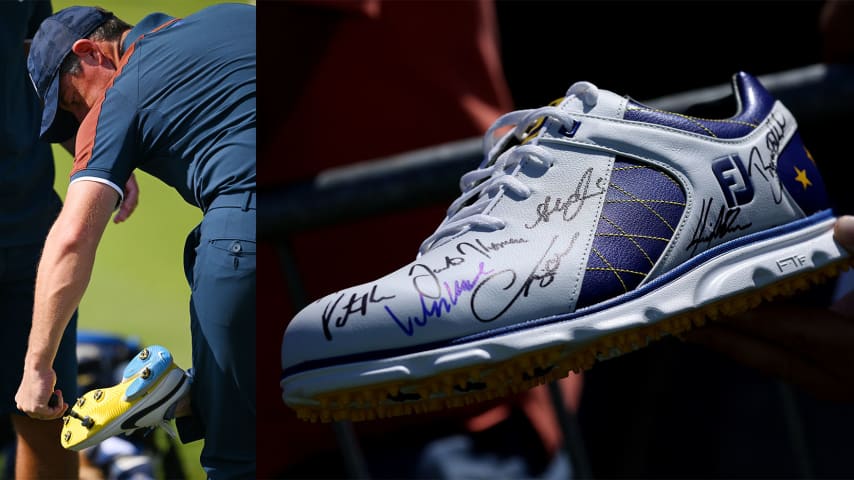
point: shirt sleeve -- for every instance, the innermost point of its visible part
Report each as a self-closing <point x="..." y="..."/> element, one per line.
<point x="106" y="142"/>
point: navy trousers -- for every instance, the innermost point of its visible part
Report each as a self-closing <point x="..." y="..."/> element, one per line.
<point x="219" y="260"/>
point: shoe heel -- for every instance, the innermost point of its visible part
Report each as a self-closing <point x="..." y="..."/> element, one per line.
<point x="145" y="369"/>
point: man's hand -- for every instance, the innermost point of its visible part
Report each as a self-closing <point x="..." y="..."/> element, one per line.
<point x="130" y="202"/>
<point x="809" y="347"/>
<point x="34" y="394"/>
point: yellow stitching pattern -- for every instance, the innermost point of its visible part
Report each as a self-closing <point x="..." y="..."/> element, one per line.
<point x="668" y="177"/>
<point x="666" y="202"/>
<point x="640" y="201"/>
<point x="630" y="237"/>
<point x="635" y="235"/>
<point x="612" y="269"/>
<point x="696" y="120"/>
<point x="609" y="269"/>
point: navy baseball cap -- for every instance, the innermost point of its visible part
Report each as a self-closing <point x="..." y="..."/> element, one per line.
<point x="51" y="44"/>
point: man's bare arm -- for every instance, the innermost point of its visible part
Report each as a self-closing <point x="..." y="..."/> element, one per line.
<point x="131" y="197"/>
<point x="63" y="275"/>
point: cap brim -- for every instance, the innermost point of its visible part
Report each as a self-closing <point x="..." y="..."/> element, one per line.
<point x="57" y="125"/>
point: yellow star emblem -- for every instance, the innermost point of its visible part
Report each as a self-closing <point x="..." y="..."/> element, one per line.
<point x="809" y="155"/>
<point x="802" y="177"/>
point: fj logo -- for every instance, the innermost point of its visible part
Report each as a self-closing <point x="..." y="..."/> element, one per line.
<point x="733" y="179"/>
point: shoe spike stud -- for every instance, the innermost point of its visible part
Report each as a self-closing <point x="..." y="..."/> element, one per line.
<point x="98" y="395"/>
<point x="146" y="372"/>
<point x="81" y="401"/>
<point x="144" y="354"/>
<point x="85" y="421"/>
<point x="67" y="436"/>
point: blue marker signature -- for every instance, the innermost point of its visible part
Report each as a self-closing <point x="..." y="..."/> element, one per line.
<point x="433" y="305"/>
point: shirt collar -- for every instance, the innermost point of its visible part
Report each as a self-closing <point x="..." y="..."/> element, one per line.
<point x="147" y="24"/>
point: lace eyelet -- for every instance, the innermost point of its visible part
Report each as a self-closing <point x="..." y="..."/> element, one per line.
<point x="571" y="132"/>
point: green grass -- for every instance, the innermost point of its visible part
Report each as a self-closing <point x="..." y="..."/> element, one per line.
<point x="138" y="287"/>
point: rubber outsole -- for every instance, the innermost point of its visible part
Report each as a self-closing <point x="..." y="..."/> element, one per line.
<point x="152" y="382"/>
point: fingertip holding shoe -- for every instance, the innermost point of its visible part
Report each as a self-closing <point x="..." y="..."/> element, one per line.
<point x="594" y="227"/>
<point x="150" y="388"/>
<point x="845" y="231"/>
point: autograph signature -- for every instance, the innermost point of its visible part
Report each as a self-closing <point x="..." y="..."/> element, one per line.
<point x="478" y="247"/>
<point x="723" y="224"/>
<point x="432" y="296"/>
<point x="776" y="130"/>
<point x="542" y="275"/>
<point x="570" y="207"/>
<point x="767" y="168"/>
<point x="706" y="231"/>
<point x="358" y="303"/>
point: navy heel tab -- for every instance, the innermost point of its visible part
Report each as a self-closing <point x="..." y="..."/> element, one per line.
<point x="750" y="101"/>
<point x="754" y="100"/>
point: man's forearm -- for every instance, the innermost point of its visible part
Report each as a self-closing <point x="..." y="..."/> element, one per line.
<point x="66" y="267"/>
<point x="63" y="275"/>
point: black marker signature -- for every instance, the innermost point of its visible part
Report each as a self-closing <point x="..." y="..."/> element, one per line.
<point x="570" y="207"/>
<point x="776" y="130"/>
<point x="358" y="303"/>
<point x="768" y="171"/>
<point x="723" y="224"/>
<point x="543" y="274"/>
<point x="767" y="167"/>
<point x="478" y="247"/>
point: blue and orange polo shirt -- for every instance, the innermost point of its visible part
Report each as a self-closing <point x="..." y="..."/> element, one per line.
<point x="181" y="107"/>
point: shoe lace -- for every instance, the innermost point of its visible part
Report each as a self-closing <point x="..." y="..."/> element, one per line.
<point x="504" y="157"/>
<point x="166" y="422"/>
<point x="167" y="427"/>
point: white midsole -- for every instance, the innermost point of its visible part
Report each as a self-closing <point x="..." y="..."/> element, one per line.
<point x="748" y="267"/>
